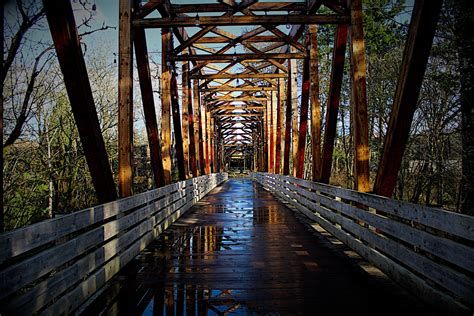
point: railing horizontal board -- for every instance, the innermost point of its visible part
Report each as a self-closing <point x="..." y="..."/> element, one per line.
<point x="112" y="247"/>
<point x="16" y="242"/>
<point x="72" y="300"/>
<point x="25" y="272"/>
<point x="61" y="281"/>
<point x="394" y="246"/>
<point x="97" y="244"/>
<point x="452" y="223"/>
<point x="390" y="267"/>
<point x="457" y="254"/>
<point x="443" y="276"/>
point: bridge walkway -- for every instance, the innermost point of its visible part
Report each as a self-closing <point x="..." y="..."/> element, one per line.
<point x="241" y="251"/>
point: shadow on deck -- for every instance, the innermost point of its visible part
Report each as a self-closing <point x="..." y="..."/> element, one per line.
<point x="241" y="251"/>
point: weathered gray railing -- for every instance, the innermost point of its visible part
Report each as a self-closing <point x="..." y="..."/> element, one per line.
<point x="428" y="250"/>
<point x="53" y="266"/>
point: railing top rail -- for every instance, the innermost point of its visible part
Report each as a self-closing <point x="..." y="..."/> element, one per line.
<point x="19" y="241"/>
<point x="430" y="259"/>
<point x="456" y="224"/>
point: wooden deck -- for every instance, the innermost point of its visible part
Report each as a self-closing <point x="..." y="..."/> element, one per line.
<point x="241" y="251"/>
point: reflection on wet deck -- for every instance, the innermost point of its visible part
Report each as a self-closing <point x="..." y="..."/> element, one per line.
<point x="240" y="251"/>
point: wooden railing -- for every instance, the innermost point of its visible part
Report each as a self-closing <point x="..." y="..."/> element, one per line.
<point x="53" y="266"/>
<point x="428" y="250"/>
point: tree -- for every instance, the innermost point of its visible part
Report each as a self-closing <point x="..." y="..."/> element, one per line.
<point x="464" y="34"/>
<point x="30" y="95"/>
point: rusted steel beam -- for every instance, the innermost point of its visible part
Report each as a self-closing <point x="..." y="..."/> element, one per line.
<point x="186" y="42"/>
<point x="259" y="6"/>
<point x="239" y="76"/>
<point x="239" y="114"/>
<point x="315" y="106"/>
<point x="295" y="33"/>
<point x="208" y="142"/>
<point x="254" y="39"/>
<point x="66" y="42"/>
<point x="233" y="40"/>
<point x="206" y="21"/>
<point x="213" y="145"/>
<point x="191" y="40"/>
<point x="337" y="70"/>
<point x="147" y="9"/>
<point x="279" y="131"/>
<point x="265" y="139"/>
<point x="199" y="125"/>
<point x="415" y="57"/>
<point x="205" y="48"/>
<point x="237" y="99"/>
<point x="185" y="117"/>
<point x="336" y="6"/>
<point x="188" y="101"/>
<point x="218" y="58"/>
<point x="154" y="143"/>
<point x="180" y="33"/>
<point x="125" y="100"/>
<point x="305" y="90"/>
<point x="293" y="81"/>
<point x="249" y="88"/>
<point x="262" y="154"/>
<point x="288" y="114"/>
<point x="273" y="131"/>
<point x="359" y="99"/>
<point x="230" y="109"/>
<point x="177" y="129"/>
<point x="166" y="103"/>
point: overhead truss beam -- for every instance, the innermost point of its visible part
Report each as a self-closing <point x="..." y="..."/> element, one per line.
<point x="185" y="21"/>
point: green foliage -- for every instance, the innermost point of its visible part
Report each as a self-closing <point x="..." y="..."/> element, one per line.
<point x="383" y="30"/>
